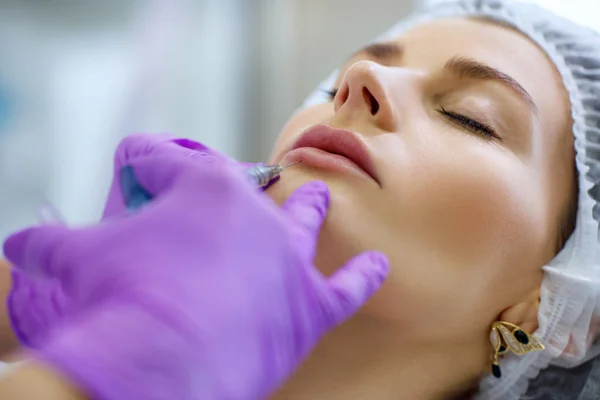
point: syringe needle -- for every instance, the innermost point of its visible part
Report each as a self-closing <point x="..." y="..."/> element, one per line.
<point x="289" y="165"/>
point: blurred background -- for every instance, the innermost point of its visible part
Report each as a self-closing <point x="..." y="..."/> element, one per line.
<point x="76" y="76"/>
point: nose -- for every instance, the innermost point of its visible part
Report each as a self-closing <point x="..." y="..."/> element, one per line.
<point x="363" y="92"/>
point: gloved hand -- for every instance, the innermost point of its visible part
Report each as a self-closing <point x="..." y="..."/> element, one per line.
<point x="208" y="293"/>
<point x="36" y="304"/>
<point x="162" y="149"/>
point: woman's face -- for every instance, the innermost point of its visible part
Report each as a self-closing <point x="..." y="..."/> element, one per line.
<point x="466" y="128"/>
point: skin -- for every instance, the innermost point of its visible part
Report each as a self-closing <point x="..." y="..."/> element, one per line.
<point x="38" y="381"/>
<point x="466" y="221"/>
<point x="8" y="340"/>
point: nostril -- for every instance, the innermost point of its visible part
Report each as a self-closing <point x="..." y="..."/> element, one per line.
<point x="371" y="101"/>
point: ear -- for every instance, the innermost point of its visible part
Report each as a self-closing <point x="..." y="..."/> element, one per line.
<point x="525" y="313"/>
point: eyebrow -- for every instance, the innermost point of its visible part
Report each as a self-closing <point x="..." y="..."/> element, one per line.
<point x="471" y="69"/>
<point x="382" y="51"/>
<point x="461" y="66"/>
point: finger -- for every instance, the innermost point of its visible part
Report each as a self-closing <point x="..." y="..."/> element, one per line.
<point x="136" y="147"/>
<point x="34" y="250"/>
<point x="245" y="165"/>
<point x="140" y="145"/>
<point x="157" y="160"/>
<point x="308" y="205"/>
<point x="351" y="286"/>
<point x="157" y="173"/>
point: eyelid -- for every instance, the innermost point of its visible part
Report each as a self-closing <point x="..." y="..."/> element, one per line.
<point x="483" y="118"/>
<point x="474" y="125"/>
<point x="481" y="106"/>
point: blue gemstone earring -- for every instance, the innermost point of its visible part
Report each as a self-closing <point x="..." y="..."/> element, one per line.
<point x="506" y="336"/>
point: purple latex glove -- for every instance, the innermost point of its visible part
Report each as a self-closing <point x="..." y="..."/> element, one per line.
<point x="36" y="304"/>
<point x="162" y="149"/>
<point x="208" y="293"/>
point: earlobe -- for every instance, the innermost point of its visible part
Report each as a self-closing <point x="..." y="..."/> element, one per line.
<point x="513" y="329"/>
<point x="524" y="313"/>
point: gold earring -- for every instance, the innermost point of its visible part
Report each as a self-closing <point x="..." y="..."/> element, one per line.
<point x="506" y="336"/>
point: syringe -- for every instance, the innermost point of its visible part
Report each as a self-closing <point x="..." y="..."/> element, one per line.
<point x="136" y="196"/>
<point x="262" y="175"/>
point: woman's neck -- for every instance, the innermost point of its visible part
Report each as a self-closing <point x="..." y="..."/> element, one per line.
<point x="364" y="360"/>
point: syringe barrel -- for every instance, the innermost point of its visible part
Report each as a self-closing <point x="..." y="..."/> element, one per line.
<point x="261" y="175"/>
<point x="135" y="196"/>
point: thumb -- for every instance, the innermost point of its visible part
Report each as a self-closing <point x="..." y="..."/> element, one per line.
<point x="146" y="165"/>
<point x="33" y="250"/>
<point x="352" y="285"/>
<point x="156" y="161"/>
<point x="308" y="206"/>
<point x="157" y="173"/>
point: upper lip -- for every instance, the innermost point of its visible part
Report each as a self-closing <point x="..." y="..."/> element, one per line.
<point x="338" y="141"/>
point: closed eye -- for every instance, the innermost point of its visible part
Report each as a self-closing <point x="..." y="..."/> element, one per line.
<point x="331" y="93"/>
<point x="470" y="124"/>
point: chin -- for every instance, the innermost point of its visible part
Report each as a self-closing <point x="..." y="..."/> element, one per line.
<point x="337" y="242"/>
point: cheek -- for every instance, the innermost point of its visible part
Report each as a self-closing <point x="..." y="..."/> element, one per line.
<point x="466" y="197"/>
<point x="457" y="225"/>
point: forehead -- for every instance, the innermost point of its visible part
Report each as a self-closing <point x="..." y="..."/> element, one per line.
<point x="432" y="44"/>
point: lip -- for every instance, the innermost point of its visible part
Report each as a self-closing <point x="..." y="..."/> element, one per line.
<point x="333" y="149"/>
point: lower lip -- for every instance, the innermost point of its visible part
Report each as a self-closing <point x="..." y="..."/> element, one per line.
<point x="322" y="159"/>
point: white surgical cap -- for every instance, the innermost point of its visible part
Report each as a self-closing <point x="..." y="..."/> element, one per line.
<point x="569" y="314"/>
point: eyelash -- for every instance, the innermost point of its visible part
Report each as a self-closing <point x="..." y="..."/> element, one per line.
<point x="468" y="123"/>
<point x="331" y="93"/>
